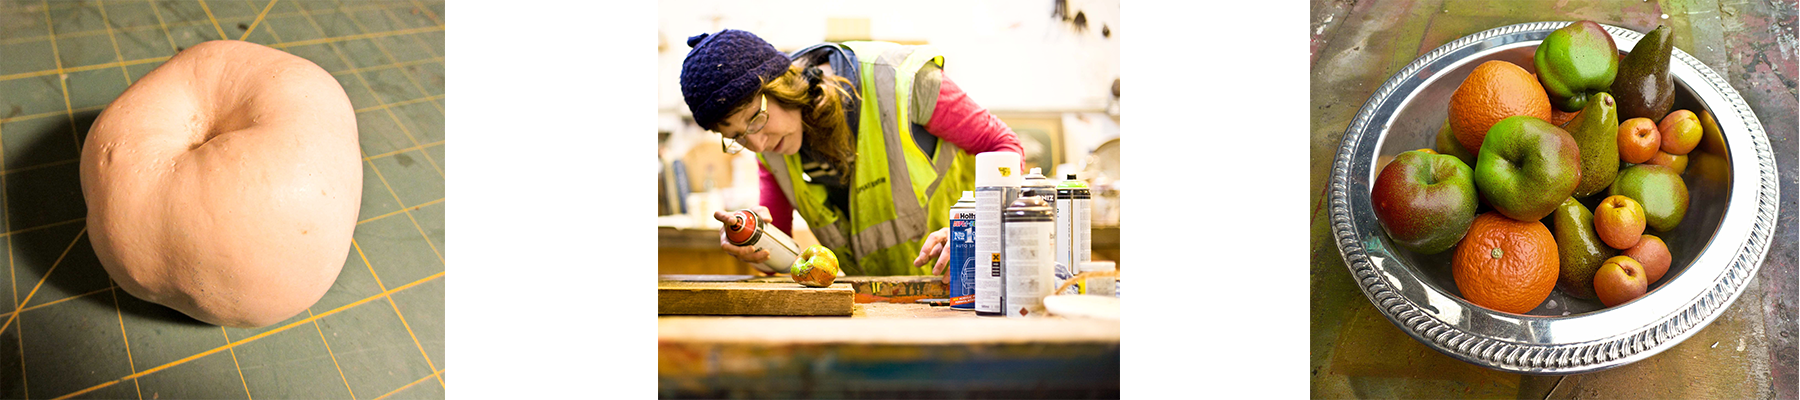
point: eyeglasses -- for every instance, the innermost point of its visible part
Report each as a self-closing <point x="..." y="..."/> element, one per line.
<point x="730" y="145"/>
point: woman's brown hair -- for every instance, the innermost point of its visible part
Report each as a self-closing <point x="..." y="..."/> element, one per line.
<point x="821" y="98"/>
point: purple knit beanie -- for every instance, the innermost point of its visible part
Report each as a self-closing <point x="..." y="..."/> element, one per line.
<point x="723" y="69"/>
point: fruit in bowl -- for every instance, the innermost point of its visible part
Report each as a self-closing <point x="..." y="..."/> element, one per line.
<point x="1425" y="201"/>
<point x="1576" y="62"/>
<point x="1653" y="254"/>
<point x="1493" y="92"/>
<point x="1579" y="248"/>
<point x="1680" y="132"/>
<point x="1506" y="264"/>
<point x="1526" y="167"/>
<point x="1620" y="221"/>
<point x="1596" y="131"/>
<point x="1620" y="280"/>
<point x="1639" y="140"/>
<point x="1659" y="189"/>
<point x="1643" y="87"/>
<point x="1675" y="162"/>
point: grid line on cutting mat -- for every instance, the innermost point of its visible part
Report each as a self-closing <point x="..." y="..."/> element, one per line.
<point x="312" y="318"/>
<point x="77" y="117"/>
<point x="227" y="337"/>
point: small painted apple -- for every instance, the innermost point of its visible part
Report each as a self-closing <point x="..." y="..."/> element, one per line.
<point x="816" y="267"/>
<point x="1653" y="254"/>
<point x="1680" y="132"/>
<point x="1620" y="280"/>
<point x="1620" y="221"/>
<point x="1638" y="140"/>
<point x="1526" y="167"/>
<point x="1425" y="201"/>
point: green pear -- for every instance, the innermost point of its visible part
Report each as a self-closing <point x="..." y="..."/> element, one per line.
<point x="1579" y="248"/>
<point x="1643" y="86"/>
<point x="1596" y="133"/>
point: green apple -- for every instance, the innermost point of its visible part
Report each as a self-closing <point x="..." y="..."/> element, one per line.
<point x="1425" y="201"/>
<point x="1575" y="62"/>
<point x="1527" y="167"/>
<point x="1658" y="188"/>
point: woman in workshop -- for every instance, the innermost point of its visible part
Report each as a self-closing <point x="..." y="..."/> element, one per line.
<point x="872" y="162"/>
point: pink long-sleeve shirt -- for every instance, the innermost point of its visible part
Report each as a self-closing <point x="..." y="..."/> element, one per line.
<point x="956" y="119"/>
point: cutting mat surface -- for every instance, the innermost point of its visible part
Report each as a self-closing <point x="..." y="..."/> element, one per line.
<point x="68" y="330"/>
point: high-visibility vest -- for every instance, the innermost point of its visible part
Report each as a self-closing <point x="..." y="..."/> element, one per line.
<point x="898" y="195"/>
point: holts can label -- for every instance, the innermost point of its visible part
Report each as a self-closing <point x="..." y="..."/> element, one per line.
<point x="962" y="255"/>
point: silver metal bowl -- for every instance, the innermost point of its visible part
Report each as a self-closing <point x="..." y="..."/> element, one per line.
<point x="1717" y="247"/>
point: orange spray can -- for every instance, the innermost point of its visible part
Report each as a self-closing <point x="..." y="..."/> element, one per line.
<point x="745" y="228"/>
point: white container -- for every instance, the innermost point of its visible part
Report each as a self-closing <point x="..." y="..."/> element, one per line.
<point x="997" y="181"/>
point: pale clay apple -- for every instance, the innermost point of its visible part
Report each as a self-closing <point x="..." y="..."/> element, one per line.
<point x="225" y="184"/>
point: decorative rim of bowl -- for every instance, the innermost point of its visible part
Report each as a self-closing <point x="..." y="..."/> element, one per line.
<point x="1550" y="358"/>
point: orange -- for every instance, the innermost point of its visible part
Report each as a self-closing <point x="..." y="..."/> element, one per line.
<point x="1494" y="91"/>
<point x="1505" y="264"/>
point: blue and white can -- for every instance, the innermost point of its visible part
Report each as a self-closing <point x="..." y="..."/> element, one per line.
<point x="962" y="253"/>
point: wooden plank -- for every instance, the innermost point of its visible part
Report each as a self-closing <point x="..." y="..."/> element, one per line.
<point x="751" y="298"/>
<point x="904" y="286"/>
<point x="869" y="289"/>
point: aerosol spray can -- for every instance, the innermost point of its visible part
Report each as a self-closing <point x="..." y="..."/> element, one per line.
<point x="1030" y="256"/>
<point x="962" y="253"/>
<point x="1073" y="232"/>
<point x="997" y="180"/>
<point x="747" y="229"/>
<point x="1036" y="185"/>
<point x="1039" y="186"/>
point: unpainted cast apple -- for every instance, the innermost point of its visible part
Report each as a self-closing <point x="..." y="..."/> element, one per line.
<point x="225" y="184"/>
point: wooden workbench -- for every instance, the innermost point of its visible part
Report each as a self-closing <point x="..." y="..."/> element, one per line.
<point x="887" y="350"/>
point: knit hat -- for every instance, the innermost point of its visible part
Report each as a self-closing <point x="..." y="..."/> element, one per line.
<point x="725" y="68"/>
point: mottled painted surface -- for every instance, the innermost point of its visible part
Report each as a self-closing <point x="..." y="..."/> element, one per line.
<point x="1748" y="352"/>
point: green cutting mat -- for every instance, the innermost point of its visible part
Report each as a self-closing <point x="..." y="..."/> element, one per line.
<point x="70" y="332"/>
